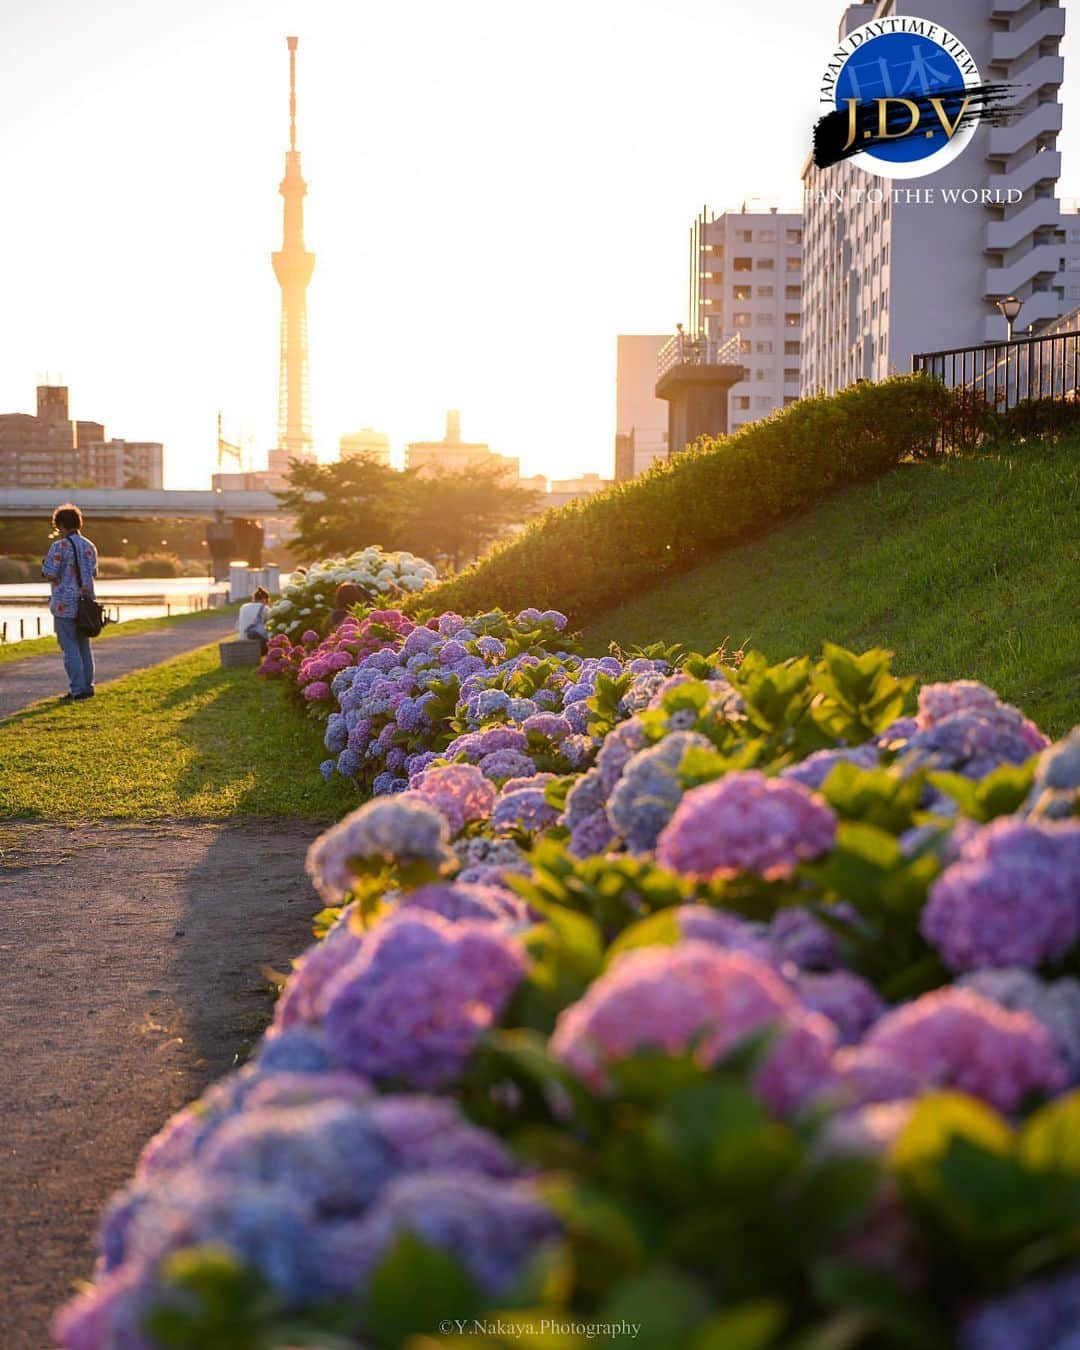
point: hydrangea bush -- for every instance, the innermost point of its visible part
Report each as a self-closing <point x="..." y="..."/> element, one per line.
<point x="752" y="1018"/>
<point x="307" y="600"/>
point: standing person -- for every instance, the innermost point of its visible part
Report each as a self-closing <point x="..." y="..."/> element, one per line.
<point x="251" y="620"/>
<point x="349" y="593"/>
<point x="71" y="565"/>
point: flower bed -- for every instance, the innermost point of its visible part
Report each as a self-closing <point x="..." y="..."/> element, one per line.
<point x="307" y="600"/>
<point x="753" y="1022"/>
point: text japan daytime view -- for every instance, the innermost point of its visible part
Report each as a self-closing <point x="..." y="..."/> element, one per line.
<point x="540" y="675"/>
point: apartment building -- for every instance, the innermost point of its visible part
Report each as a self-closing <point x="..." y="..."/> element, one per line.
<point x="641" y="419"/>
<point x="890" y="272"/>
<point x="747" y="280"/>
<point x="50" y="449"/>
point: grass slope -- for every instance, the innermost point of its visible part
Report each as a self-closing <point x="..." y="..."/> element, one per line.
<point x="185" y="738"/>
<point x="45" y="646"/>
<point x="964" y="568"/>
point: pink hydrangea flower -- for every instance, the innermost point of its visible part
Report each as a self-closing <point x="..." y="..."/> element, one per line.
<point x="745" y="822"/>
<point x="317" y="691"/>
<point x="955" y="1038"/>
<point x="697" y="995"/>
<point x="459" y="791"/>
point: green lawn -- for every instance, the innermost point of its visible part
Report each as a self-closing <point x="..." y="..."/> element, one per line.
<point x="43" y="646"/>
<point x="184" y="738"/>
<point x="965" y="568"/>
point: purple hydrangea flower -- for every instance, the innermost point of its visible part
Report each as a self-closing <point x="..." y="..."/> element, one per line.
<point x="550" y="725"/>
<point x="847" y="1001"/>
<point x="525" y="809"/>
<point x="459" y="900"/>
<point x="413" y="1003"/>
<point x="503" y="764"/>
<point x="815" y="768"/>
<point x="696" y="995"/>
<point x="955" y="1038"/>
<point x="300" y="999"/>
<point x="799" y="936"/>
<point x="701" y="923"/>
<point x="492" y="1227"/>
<point x="745" y="822"/>
<point x="401" y="829"/>
<point x="1012" y="899"/>
<point x="591" y="835"/>
<point x="646" y="795"/>
<point x="1043" y="1314"/>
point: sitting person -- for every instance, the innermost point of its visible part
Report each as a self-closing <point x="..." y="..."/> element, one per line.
<point x="251" y="621"/>
<point x="348" y="594"/>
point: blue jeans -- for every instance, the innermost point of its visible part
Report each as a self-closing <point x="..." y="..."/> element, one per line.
<point x="78" y="658"/>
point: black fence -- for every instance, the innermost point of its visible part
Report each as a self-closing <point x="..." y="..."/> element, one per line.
<point x="1029" y="383"/>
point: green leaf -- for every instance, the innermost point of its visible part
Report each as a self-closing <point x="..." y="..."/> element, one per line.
<point x="909" y="1321"/>
<point x="747" y="1326"/>
<point x="938" y="1119"/>
<point x="666" y="1303"/>
<point x="1050" y="1140"/>
<point x="415" y="1287"/>
<point x="658" y="930"/>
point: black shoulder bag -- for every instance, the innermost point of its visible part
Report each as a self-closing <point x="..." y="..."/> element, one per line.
<point x="90" y="617"/>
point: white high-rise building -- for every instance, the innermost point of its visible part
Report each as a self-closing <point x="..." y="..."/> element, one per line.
<point x="747" y="280"/>
<point x="888" y="273"/>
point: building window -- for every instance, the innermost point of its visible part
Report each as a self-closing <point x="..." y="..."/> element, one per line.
<point x="761" y="375"/>
<point x="763" y="348"/>
<point x="763" y="401"/>
<point x="745" y="236"/>
<point x="792" y="348"/>
<point x="765" y="264"/>
<point x="743" y="292"/>
<point x="791" y="375"/>
<point x="767" y="320"/>
<point x="767" y="236"/>
<point x="793" y="320"/>
<point x="794" y="236"/>
<point x="742" y="264"/>
<point x="765" y="292"/>
<point x="792" y="292"/>
<point x="789" y="399"/>
<point x="745" y="346"/>
<point x="741" y="319"/>
<point x="793" y="264"/>
<point x="742" y="402"/>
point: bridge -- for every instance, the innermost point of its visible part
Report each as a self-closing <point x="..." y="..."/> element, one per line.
<point x="143" y="503"/>
<point x="234" y="518"/>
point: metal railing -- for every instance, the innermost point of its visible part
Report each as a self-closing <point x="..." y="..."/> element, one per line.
<point x="1008" y="373"/>
<point x="684" y="350"/>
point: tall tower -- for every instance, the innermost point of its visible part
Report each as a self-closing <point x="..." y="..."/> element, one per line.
<point x="293" y="267"/>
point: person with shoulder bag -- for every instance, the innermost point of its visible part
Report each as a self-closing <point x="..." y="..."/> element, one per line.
<point x="70" y="566"/>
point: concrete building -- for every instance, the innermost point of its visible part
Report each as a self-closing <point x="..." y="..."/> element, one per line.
<point x="453" y="455"/>
<point x="565" y="490"/>
<point x="889" y="273"/>
<point x="124" y="464"/>
<point x="746" y="280"/>
<point x="367" y="444"/>
<point x="49" y="449"/>
<point x="641" y="419"/>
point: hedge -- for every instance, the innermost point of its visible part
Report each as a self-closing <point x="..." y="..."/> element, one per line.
<point x="587" y="556"/>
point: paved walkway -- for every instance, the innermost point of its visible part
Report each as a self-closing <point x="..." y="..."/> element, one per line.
<point x="38" y="677"/>
<point x="130" y="973"/>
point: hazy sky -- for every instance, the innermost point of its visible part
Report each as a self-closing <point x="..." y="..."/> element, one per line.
<point x="497" y="189"/>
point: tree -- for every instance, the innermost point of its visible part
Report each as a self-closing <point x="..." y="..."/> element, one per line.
<point x="457" y="515"/>
<point x="359" y="501"/>
<point x="344" y="506"/>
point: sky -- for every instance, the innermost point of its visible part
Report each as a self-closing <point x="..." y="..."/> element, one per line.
<point x="496" y="190"/>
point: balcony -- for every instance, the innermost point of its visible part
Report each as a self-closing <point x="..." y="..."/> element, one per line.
<point x="683" y="350"/>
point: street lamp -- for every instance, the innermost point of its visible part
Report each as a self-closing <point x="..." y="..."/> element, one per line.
<point x="1010" y="307"/>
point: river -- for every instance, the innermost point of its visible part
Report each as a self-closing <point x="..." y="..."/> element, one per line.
<point x="24" y="605"/>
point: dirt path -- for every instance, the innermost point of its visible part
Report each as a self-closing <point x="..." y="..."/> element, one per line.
<point x="130" y="960"/>
<point x="38" y="677"/>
